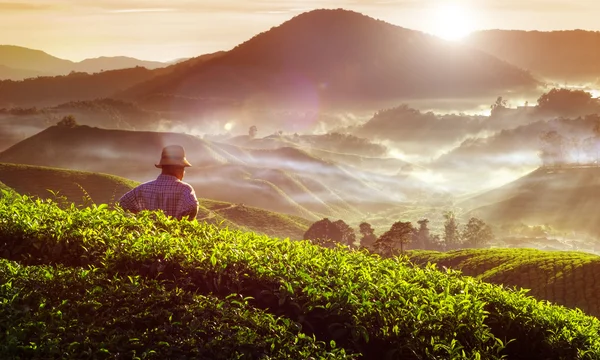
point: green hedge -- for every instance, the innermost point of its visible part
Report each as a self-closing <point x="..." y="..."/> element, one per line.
<point x="60" y="313"/>
<point x="383" y="309"/>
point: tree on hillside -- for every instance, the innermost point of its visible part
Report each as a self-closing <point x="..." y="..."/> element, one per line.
<point x="552" y="151"/>
<point x="252" y="131"/>
<point x="327" y="233"/>
<point x="422" y="238"/>
<point x="477" y="233"/>
<point x="498" y="106"/>
<point x="398" y="235"/>
<point x="565" y="102"/>
<point x="451" y="234"/>
<point x="67" y="121"/>
<point x="348" y="237"/>
<point x="368" y="235"/>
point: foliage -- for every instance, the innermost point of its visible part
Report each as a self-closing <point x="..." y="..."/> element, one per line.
<point x="477" y="233"/>
<point x="56" y="312"/>
<point x="398" y="235"/>
<point x="67" y="121"/>
<point x="368" y="235"/>
<point x="452" y="238"/>
<point x="380" y="308"/>
<point x="327" y="233"/>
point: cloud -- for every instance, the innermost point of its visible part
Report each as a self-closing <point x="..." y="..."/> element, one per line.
<point x="141" y="10"/>
<point x="26" y="6"/>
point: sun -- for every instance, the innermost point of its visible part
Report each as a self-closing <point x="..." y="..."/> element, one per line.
<point x="452" y="22"/>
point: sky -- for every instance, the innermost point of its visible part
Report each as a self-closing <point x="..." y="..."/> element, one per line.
<point x="166" y="30"/>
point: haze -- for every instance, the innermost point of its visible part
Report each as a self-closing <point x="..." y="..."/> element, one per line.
<point x="159" y="30"/>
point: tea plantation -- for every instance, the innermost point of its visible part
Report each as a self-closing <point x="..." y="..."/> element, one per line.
<point x="99" y="283"/>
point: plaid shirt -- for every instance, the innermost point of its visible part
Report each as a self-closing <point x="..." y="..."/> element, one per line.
<point x="167" y="193"/>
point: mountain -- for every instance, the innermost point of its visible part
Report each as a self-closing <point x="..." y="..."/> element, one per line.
<point x="337" y="57"/>
<point x="286" y="180"/>
<point x="563" y="198"/>
<point x="572" y="55"/>
<point x="105" y="63"/>
<point x="35" y="60"/>
<point x="80" y="86"/>
<point x="49" y="91"/>
<point x="9" y="73"/>
<point x="41" y="63"/>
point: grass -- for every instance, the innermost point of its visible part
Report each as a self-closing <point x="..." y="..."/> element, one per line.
<point x="381" y="309"/>
<point x="564" y="278"/>
<point x="79" y="187"/>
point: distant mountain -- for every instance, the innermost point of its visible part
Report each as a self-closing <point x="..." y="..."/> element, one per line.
<point x="337" y="57"/>
<point x="49" y="91"/>
<point x="9" y="73"/>
<point x="563" y="198"/>
<point x="284" y="180"/>
<point x="557" y="55"/>
<point x="38" y="62"/>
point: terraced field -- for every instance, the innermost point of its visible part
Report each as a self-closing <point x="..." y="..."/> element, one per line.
<point x="157" y="286"/>
<point x="571" y="279"/>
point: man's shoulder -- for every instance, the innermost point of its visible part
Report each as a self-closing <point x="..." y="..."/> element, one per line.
<point x="186" y="185"/>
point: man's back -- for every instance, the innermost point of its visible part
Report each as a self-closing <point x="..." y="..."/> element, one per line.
<point x="167" y="193"/>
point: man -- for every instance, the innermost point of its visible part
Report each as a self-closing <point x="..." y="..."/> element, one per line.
<point x="167" y="193"/>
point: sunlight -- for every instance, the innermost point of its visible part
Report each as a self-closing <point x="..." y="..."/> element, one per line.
<point x="452" y="22"/>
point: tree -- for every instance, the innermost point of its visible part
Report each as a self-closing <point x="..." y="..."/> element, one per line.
<point x="67" y="121"/>
<point x="451" y="233"/>
<point x="399" y="234"/>
<point x="347" y="233"/>
<point x="422" y="235"/>
<point x="368" y="235"/>
<point x="477" y="233"/>
<point x="552" y="151"/>
<point x="565" y="102"/>
<point x="327" y="233"/>
<point x="252" y="132"/>
<point x="498" y="106"/>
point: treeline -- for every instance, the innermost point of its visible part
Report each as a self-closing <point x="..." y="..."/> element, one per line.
<point x="403" y="235"/>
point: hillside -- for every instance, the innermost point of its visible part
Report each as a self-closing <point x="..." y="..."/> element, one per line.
<point x="562" y="198"/>
<point x="36" y="61"/>
<point x="77" y="186"/>
<point x="337" y="57"/>
<point x="85" y="188"/>
<point x="286" y="180"/>
<point x="572" y="55"/>
<point x="9" y="73"/>
<point x="216" y="293"/>
<point x="563" y="278"/>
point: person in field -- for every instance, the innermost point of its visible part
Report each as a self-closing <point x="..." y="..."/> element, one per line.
<point x="168" y="192"/>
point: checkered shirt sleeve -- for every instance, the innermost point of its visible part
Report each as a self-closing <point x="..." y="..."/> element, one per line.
<point x="167" y="193"/>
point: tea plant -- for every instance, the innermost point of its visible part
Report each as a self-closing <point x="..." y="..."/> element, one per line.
<point x="370" y="306"/>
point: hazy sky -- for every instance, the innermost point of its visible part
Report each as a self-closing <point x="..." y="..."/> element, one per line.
<point x="169" y="29"/>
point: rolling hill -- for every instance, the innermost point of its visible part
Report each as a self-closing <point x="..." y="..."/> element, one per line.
<point x="339" y="57"/>
<point x="572" y="55"/>
<point x="86" y="188"/>
<point x="563" y="278"/>
<point x="40" y="62"/>
<point x="8" y="73"/>
<point x="286" y="180"/>
<point x="563" y="198"/>
<point x="77" y="186"/>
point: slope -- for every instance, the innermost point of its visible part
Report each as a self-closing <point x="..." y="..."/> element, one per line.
<point x="86" y="188"/>
<point x="563" y="198"/>
<point x="571" y="55"/>
<point x="337" y="57"/>
<point x="8" y="73"/>
<point x="284" y="180"/>
<point x="19" y="57"/>
<point x="564" y="278"/>
<point x="77" y="186"/>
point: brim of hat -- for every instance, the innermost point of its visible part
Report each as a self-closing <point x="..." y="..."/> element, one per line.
<point x="183" y="163"/>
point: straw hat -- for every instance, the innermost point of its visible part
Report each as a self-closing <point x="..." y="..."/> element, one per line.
<point x="173" y="155"/>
